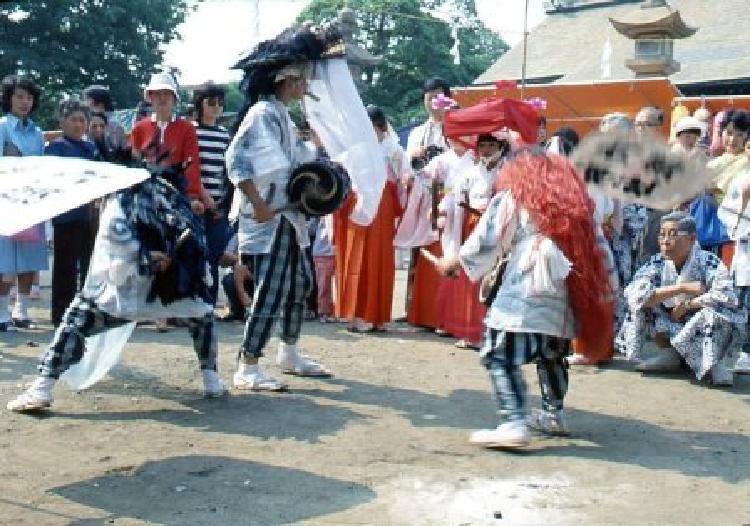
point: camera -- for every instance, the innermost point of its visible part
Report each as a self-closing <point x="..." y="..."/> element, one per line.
<point x="431" y="152"/>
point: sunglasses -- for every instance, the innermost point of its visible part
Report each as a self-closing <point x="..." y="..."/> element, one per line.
<point x="214" y="101"/>
<point x="671" y="235"/>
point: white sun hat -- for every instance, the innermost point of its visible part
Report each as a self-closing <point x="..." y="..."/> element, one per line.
<point x="161" y="81"/>
<point x="689" y="124"/>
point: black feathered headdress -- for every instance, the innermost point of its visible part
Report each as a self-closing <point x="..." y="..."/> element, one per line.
<point x="294" y="45"/>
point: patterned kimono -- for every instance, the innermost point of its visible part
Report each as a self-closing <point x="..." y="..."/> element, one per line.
<point x="123" y="285"/>
<point x="266" y="150"/>
<point x="702" y="338"/>
<point x="626" y="249"/>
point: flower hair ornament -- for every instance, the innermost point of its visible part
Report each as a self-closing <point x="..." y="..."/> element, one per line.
<point x="441" y="102"/>
<point x="537" y="103"/>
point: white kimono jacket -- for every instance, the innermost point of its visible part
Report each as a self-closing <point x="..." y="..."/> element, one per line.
<point x="266" y="150"/>
<point x="533" y="296"/>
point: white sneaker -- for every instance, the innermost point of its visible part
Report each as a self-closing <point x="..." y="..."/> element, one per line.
<point x="257" y="381"/>
<point x="667" y="361"/>
<point x="721" y="375"/>
<point x="291" y="361"/>
<point x="507" y="435"/>
<point x="35" y="398"/>
<point x="213" y="387"/>
<point x="548" y="422"/>
<point x="743" y="364"/>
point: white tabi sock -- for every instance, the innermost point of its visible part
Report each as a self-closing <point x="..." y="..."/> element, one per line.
<point x="287" y="352"/>
<point x="42" y="387"/>
<point x="249" y="370"/>
<point x="4" y="314"/>
<point x="20" y="311"/>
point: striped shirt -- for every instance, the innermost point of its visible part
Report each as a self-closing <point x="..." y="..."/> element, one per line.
<point x="212" y="144"/>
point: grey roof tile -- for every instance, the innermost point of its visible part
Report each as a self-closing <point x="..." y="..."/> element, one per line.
<point x="571" y="44"/>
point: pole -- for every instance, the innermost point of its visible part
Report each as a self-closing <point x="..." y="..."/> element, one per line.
<point x="525" y="47"/>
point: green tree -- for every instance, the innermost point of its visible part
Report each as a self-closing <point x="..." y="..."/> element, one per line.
<point x="68" y="44"/>
<point x="415" y="45"/>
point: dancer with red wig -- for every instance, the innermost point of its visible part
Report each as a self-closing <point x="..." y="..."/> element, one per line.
<point x="540" y="224"/>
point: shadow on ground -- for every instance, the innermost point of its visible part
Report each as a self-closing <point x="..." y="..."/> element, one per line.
<point x="420" y="408"/>
<point x="609" y="438"/>
<point x="199" y="490"/>
<point x="264" y="416"/>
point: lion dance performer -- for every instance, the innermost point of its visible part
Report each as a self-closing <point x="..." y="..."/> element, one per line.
<point x="262" y="160"/>
<point x="149" y="262"/>
<point x="541" y="225"/>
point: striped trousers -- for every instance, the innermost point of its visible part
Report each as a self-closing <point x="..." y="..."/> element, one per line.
<point x="503" y="355"/>
<point x="283" y="282"/>
<point x="84" y="318"/>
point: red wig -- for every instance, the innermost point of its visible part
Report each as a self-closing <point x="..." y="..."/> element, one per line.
<point x="558" y="203"/>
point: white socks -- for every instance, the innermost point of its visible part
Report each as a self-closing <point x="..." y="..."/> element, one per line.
<point x="248" y="370"/>
<point x="20" y="311"/>
<point x="42" y="387"/>
<point x="287" y="353"/>
<point x="4" y="314"/>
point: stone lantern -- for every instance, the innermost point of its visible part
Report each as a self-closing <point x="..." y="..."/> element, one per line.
<point x="654" y="27"/>
<point x="356" y="56"/>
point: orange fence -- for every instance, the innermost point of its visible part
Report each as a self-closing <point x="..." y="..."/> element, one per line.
<point x="582" y="105"/>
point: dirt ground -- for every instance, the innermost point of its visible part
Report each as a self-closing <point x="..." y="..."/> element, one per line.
<point x="384" y="442"/>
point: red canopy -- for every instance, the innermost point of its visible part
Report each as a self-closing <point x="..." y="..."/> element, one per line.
<point x="491" y="115"/>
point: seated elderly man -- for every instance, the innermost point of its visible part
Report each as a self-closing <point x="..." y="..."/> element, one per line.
<point x="684" y="297"/>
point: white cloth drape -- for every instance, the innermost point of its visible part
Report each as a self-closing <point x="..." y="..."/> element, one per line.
<point x="103" y="351"/>
<point x="341" y="121"/>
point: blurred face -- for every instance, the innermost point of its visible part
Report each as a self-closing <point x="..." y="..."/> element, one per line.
<point x="292" y="88"/>
<point x="647" y="121"/>
<point x="688" y="139"/>
<point x="162" y="101"/>
<point x="99" y="108"/>
<point x="427" y="101"/>
<point x="457" y="147"/>
<point x="733" y="139"/>
<point x="21" y="103"/>
<point x="96" y="128"/>
<point x="541" y="134"/>
<point x="212" y="108"/>
<point x="74" y="125"/>
<point x="674" y="244"/>
<point x="380" y="133"/>
<point x="488" y="148"/>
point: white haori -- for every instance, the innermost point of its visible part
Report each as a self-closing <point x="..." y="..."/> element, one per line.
<point x="114" y="282"/>
<point x="533" y="295"/>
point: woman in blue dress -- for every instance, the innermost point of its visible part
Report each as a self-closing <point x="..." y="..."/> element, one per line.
<point x="26" y="252"/>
